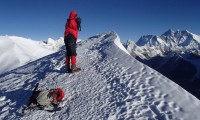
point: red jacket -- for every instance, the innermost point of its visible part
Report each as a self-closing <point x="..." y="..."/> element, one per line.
<point x="71" y="25"/>
<point x="58" y="95"/>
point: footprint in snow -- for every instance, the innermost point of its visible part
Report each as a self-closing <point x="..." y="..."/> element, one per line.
<point x="2" y="98"/>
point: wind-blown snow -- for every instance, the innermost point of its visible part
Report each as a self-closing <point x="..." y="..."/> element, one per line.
<point x="17" y="51"/>
<point x="119" y="44"/>
<point x="112" y="85"/>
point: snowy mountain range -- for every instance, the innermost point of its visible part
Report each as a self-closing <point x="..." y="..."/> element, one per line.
<point x="175" y="54"/>
<point x="112" y="85"/>
<point x="17" y="51"/>
<point x="170" y="41"/>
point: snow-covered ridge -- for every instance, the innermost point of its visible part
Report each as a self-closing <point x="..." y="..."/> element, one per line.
<point x="17" y="51"/>
<point x="112" y="85"/>
<point x="119" y="44"/>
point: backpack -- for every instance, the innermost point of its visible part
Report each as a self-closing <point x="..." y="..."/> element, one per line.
<point x="78" y="21"/>
<point x="43" y="98"/>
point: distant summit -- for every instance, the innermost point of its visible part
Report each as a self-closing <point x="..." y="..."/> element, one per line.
<point x="169" y="32"/>
<point x="170" y="41"/>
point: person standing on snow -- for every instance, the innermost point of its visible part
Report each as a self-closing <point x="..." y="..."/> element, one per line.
<point x="72" y="27"/>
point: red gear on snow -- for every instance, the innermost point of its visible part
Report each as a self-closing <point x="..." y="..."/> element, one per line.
<point x="58" y="95"/>
<point x="71" y="25"/>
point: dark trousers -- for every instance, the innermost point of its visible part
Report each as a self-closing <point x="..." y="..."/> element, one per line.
<point x="70" y="44"/>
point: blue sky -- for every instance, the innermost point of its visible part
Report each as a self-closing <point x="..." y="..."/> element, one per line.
<point x="41" y="19"/>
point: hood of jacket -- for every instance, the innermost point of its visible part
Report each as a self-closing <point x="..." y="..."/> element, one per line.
<point x="72" y="15"/>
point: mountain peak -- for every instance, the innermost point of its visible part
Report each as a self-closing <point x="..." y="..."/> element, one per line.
<point x="179" y="40"/>
<point x="150" y="40"/>
<point x="178" y="32"/>
<point x="169" y="32"/>
<point x="182" y="33"/>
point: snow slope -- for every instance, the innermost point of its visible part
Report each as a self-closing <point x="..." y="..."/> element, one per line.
<point x="112" y="85"/>
<point x="17" y="51"/>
